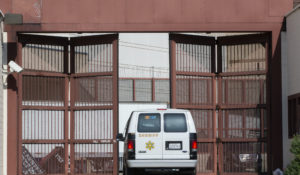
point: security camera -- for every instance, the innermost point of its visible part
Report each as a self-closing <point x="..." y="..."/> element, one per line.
<point x="14" y="67"/>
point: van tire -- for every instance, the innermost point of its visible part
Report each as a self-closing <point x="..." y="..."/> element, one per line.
<point x="188" y="171"/>
<point x="128" y="171"/>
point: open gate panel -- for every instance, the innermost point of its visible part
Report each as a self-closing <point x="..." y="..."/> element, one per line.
<point x="68" y="105"/>
<point x="223" y="83"/>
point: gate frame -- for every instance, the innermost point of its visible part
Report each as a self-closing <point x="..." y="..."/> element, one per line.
<point x="275" y="107"/>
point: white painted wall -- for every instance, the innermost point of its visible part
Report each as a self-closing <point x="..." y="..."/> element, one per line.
<point x="290" y="74"/>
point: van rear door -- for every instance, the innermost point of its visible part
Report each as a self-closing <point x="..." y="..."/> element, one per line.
<point x="176" y="136"/>
<point x="149" y="136"/>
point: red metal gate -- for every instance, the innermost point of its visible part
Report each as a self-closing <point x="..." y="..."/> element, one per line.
<point x="68" y="105"/>
<point x="227" y="98"/>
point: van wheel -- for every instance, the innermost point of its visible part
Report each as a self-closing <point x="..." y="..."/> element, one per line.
<point x="128" y="171"/>
<point x="142" y="171"/>
<point x="188" y="171"/>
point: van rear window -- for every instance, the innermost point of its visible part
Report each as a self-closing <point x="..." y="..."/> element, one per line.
<point x="149" y="123"/>
<point x="175" y="123"/>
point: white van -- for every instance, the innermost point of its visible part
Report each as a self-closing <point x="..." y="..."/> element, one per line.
<point x="159" y="139"/>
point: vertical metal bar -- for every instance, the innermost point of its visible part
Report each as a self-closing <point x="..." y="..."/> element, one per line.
<point x="214" y="128"/>
<point x="268" y="54"/>
<point x="72" y="105"/>
<point x="190" y="91"/>
<point x="244" y="124"/>
<point x="20" y="85"/>
<point x="115" y="106"/>
<point x="173" y="74"/>
<point x="213" y="59"/>
<point x="262" y="116"/>
<point x="219" y="58"/>
<point x="65" y="60"/>
<point x="72" y="59"/>
<point x="244" y="92"/>
<point x="66" y="124"/>
<point x="226" y="101"/>
<point x="96" y="80"/>
<point x="227" y="124"/>
<point x="133" y="90"/>
<point x="220" y="153"/>
<point x="153" y="90"/>
<point x="72" y="125"/>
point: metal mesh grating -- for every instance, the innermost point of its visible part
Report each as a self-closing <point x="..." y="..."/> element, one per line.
<point x="43" y="57"/>
<point x="193" y="58"/>
<point x="125" y="90"/>
<point x="43" y="159"/>
<point x="162" y="90"/>
<point x="143" y="90"/>
<point x="93" y="58"/>
<point x="93" y="158"/>
<point x="243" y="58"/>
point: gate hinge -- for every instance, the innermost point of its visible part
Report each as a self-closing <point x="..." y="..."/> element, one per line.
<point x="218" y="140"/>
<point x="216" y="41"/>
<point x="217" y="107"/>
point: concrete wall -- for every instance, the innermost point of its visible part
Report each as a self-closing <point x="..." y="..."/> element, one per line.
<point x="287" y="156"/>
<point x="290" y="74"/>
<point x="293" y="54"/>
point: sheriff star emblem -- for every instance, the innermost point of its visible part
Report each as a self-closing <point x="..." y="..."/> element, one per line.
<point x="150" y="145"/>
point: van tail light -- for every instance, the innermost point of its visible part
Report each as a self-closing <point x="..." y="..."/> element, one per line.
<point x="193" y="146"/>
<point x="131" y="146"/>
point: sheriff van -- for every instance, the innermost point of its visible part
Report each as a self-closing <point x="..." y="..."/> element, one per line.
<point x="159" y="140"/>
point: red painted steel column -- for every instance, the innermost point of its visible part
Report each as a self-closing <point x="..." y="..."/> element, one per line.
<point x="71" y="110"/>
<point x="173" y="74"/>
<point x="214" y="128"/>
<point x="19" y="97"/>
<point x="115" y="77"/>
<point x="219" y="149"/>
<point x="66" y="106"/>
<point x="66" y="124"/>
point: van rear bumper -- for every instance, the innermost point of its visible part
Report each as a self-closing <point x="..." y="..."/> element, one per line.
<point x="162" y="163"/>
